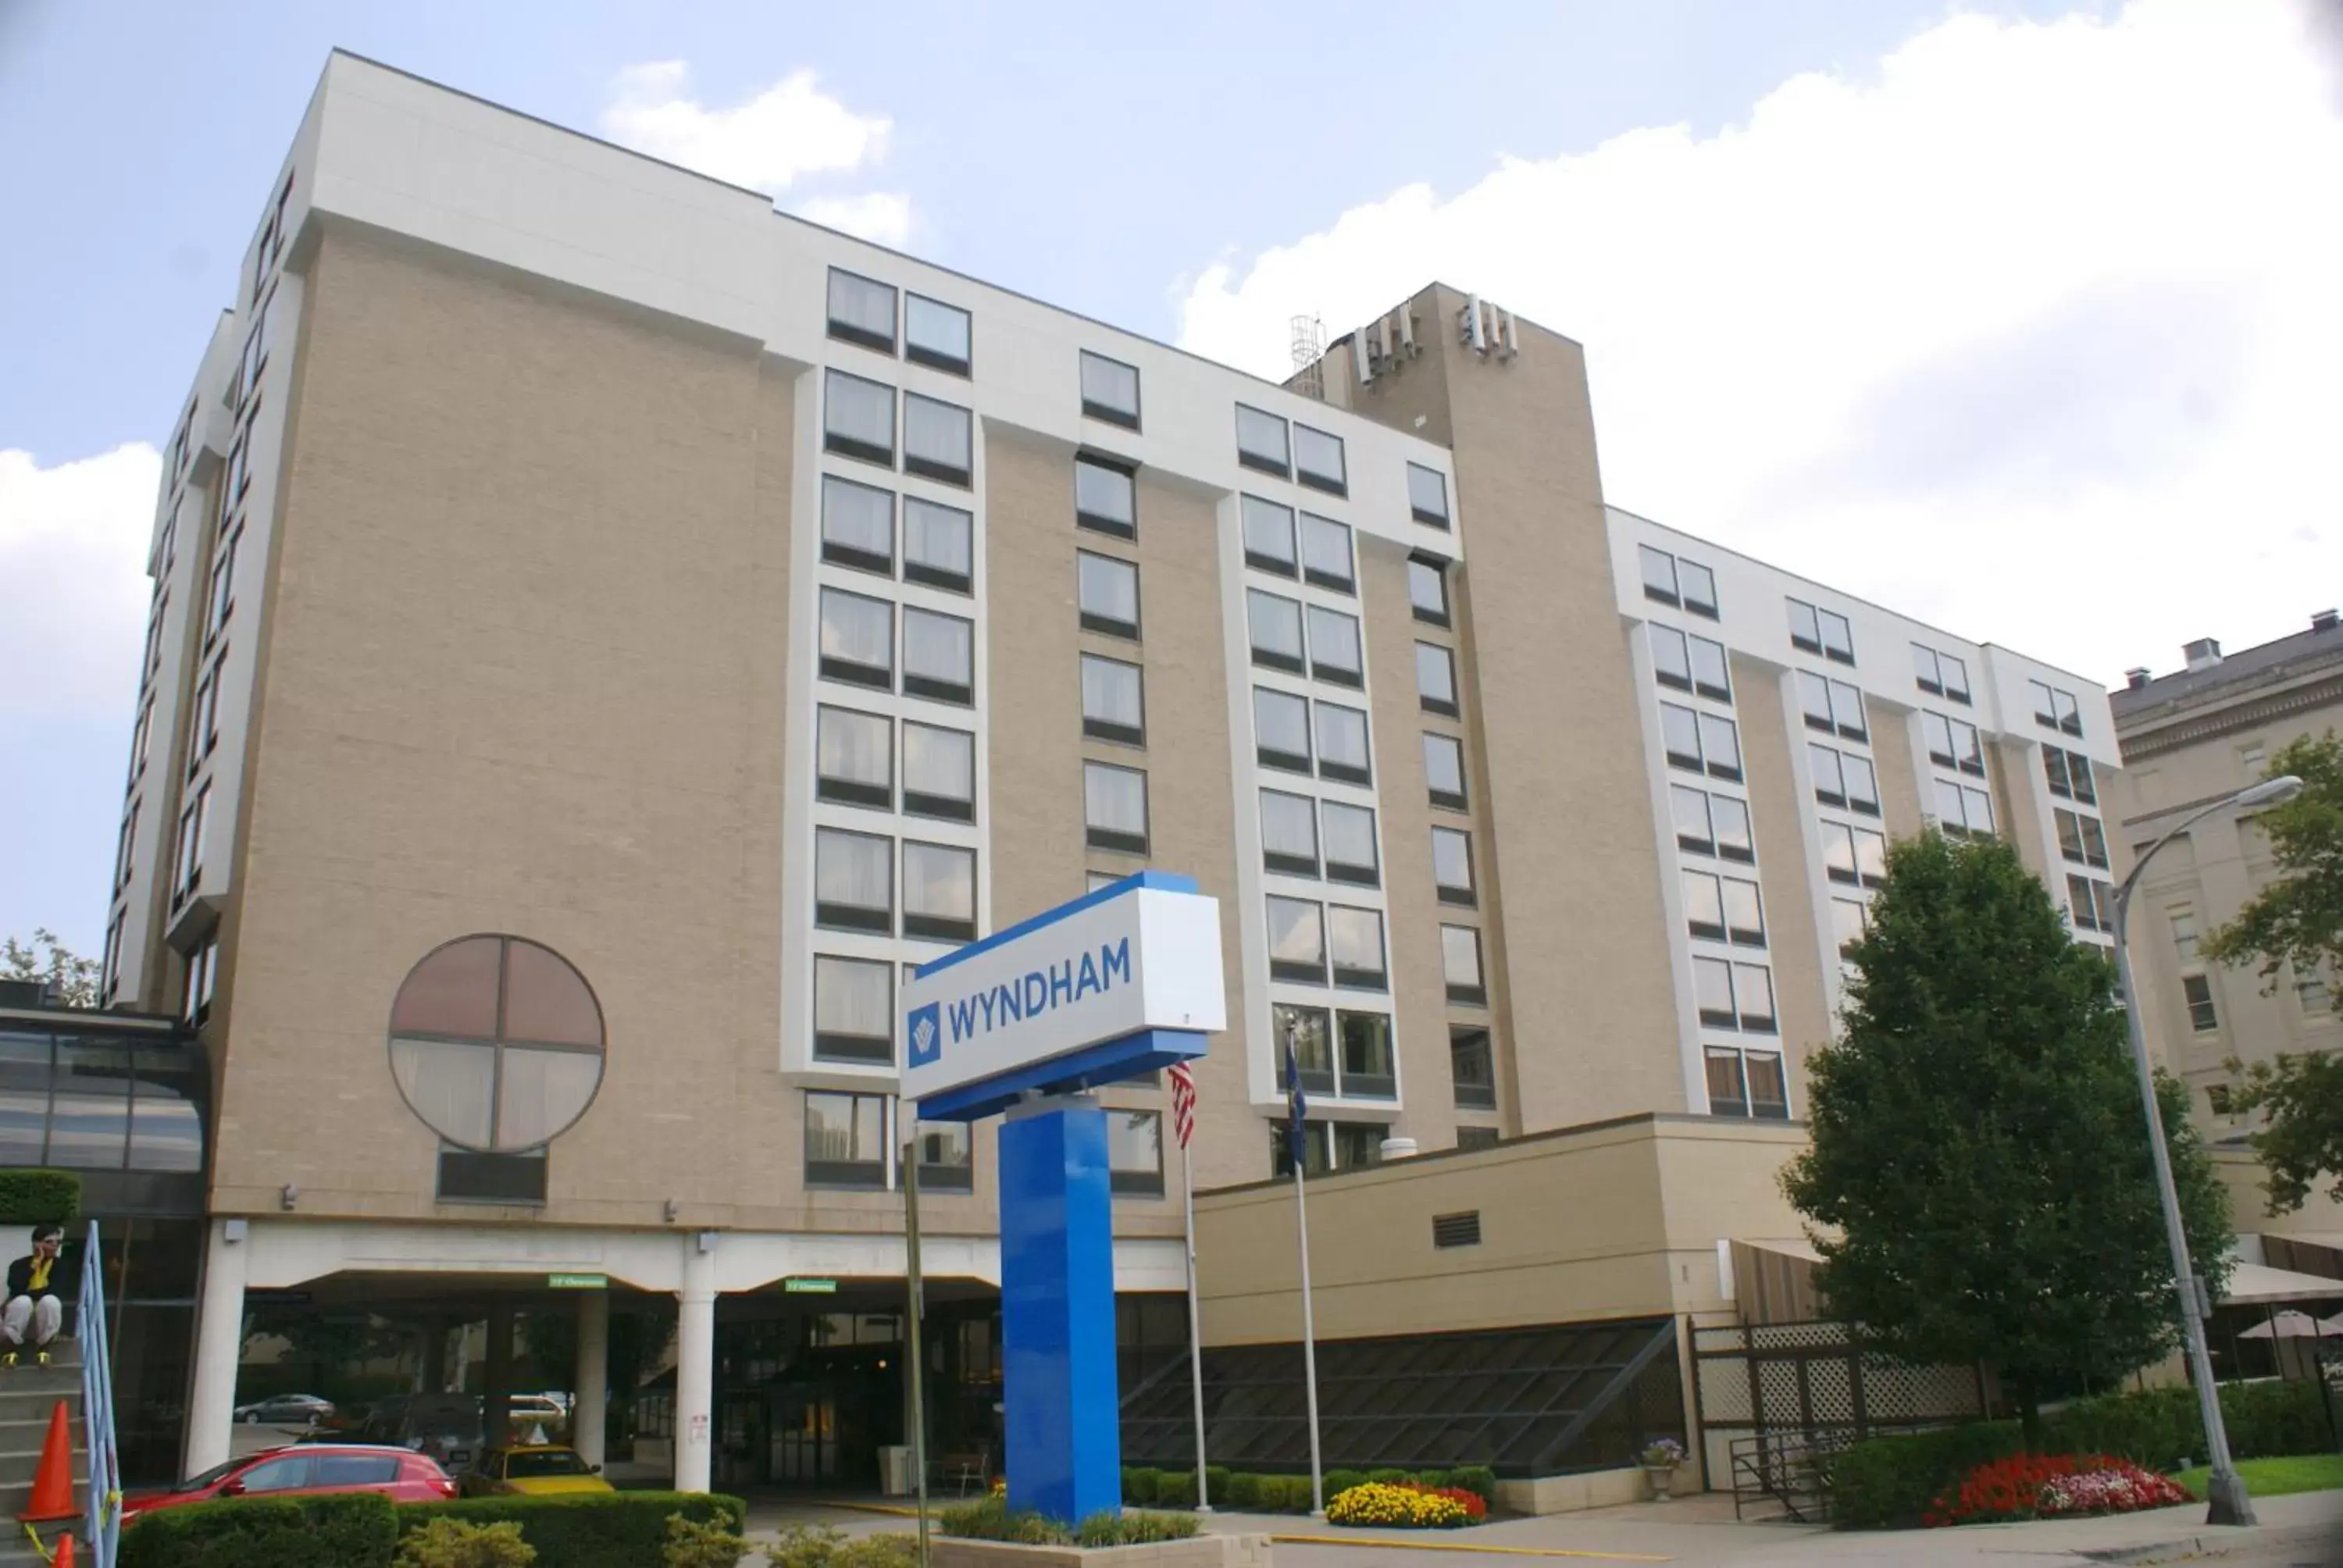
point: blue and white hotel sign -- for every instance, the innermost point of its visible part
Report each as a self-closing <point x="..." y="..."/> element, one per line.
<point x="1108" y="987"/>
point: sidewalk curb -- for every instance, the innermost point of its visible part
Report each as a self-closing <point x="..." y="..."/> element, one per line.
<point x="2214" y="1544"/>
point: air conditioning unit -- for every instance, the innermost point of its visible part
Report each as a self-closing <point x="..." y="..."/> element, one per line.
<point x="1470" y="328"/>
<point x="1404" y="339"/>
<point x="1367" y="352"/>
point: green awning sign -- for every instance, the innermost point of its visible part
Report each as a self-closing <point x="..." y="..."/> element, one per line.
<point x="810" y="1287"/>
<point x="577" y="1282"/>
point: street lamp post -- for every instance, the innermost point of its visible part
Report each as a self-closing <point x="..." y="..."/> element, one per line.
<point x="2225" y="1491"/>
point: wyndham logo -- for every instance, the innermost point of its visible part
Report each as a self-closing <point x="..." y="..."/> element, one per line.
<point x="926" y="1034"/>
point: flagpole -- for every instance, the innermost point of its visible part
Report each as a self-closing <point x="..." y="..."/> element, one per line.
<point x="1309" y="1345"/>
<point x="1195" y="1325"/>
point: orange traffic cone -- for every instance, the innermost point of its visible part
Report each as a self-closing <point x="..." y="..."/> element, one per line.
<point x="53" y="1482"/>
<point x="65" y="1557"/>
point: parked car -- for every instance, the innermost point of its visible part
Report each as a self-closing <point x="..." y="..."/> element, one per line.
<point x="287" y="1410"/>
<point x="535" y="1419"/>
<point x="533" y="1469"/>
<point x="446" y="1426"/>
<point x="396" y="1473"/>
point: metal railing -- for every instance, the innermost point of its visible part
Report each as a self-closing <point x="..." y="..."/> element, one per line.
<point x="103" y="1513"/>
<point x="1784" y="1474"/>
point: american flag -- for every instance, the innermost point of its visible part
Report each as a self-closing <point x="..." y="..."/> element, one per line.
<point x="1183" y="1102"/>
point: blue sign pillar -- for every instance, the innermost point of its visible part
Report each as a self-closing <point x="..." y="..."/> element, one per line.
<point x="1057" y="1311"/>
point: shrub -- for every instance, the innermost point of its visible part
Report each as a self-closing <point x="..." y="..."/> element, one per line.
<point x="1139" y="1487"/>
<point x="1432" y="1480"/>
<point x="701" y="1544"/>
<point x="1217" y="1478"/>
<point x="1477" y="1479"/>
<point x="992" y="1520"/>
<point x="1890" y="1482"/>
<point x="1402" y="1507"/>
<point x="825" y="1546"/>
<point x="1388" y="1477"/>
<point x="1175" y="1489"/>
<point x="1338" y="1481"/>
<point x="334" y="1530"/>
<point x="458" y="1544"/>
<point x="593" y="1529"/>
<point x="2050" y="1486"/>
<point x="1239" y="1490"/>
<point x="1135" y="1529"/>
<point x="37" y="1197"/>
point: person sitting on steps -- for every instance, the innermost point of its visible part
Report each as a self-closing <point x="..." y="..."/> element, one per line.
<point x="33" y="1281"/>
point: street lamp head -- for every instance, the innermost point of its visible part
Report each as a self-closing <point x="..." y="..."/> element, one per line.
<point x="2271" y="792"/>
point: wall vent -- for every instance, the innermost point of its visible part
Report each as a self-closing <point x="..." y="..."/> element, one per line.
<point x="1456" y="1230"/>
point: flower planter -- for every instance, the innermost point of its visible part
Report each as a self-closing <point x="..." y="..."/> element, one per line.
<point x="1662" y="1478"/>
<point x="1197" y="1552"/>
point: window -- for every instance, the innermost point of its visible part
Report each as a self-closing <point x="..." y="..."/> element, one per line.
<point x="1318" y="461"/>
<point x="279" y="1475"/>
<point x="853" y="1009"/>
<point x="939" y="440"/>
<point x="1471" y="1067"/>
<point x="1427" y="590"/>
<point x="2082" y="840"/>
<point x="1839" y="853"/>
<point x="1314" y="1052"/>
<point x="1871" y="857"/>
<point x="939" y="892"/>
<point x="1334" y="653"/>
<point x="1940" y="674"/>
<point x="845" y="1139"/>
<point x="1700" y="742"/>
<point x="1427" y="494"/>
<point x="1276" y="624"/>
<point x="2093" y="904"/>
<point x="936" y="334"/>
<point x="1832" y="704"/>
<point x="854" y="757"/>
<point x="2055" y="709"/>
<point x="1744" y="916"/>
<point x="1366" y="1056"/>
<point x="1094" y="880"/>
<point x="1733" y="995"/>
<point x="1297" y="943"/>
<point x="1280" y="725"/>
<point x="192" y="823"/>
<point x="1289" y="833"/>
<point x="1709" y="675"/>
<point x="142" y="734"/>
<point x="858" y="524"/>
<point x="1260" y="442"/>
<point x="1106" y="497"/>
<point x="495" y="1043"/>
<point x="939" y="546"/>
<point x="1107" y="591"/>
<point x="1850" y="919"/>
<point x="1443" y="769"/>
<point x="1451" y="865"/>
<point x="858" y="418"/>
<point x="1712" y="980"/>
<point x="853" y="880"/>
<point x="203" y="729"/>
<point x="939" y="656"/>
<point x="2199" y="990"/>
<point x="1355" y="940"/>
<point x="1962" y="811"/>
<point x="1113" y="704"/>
<point x="1844" y="779"/>
<point x="2184" y="923"/>
<point x="1769" y="1098"/>
<point x="1703" y="906"/>
<point x="1435" y="678"/>
<point x="1727" y="1094"/>
<point x="1268" y="536"/>
<point x="2068" y="774"/>
<point x="1134" y="1152"/>
<point x="947" y="1162"/>
<point x="1710" y="824"/>
<point x="240" y="459"/>
<point x="1114" y="808"/>
<point x="121" y="847"/>
<point x="202" y="977"/>
<point x="222" y="600"/>
<point x="857" y="639"/>
<point x="1342" y="744"/>
<point x="1689" y="663"/>
<point x="861" y="311"/>
<point x="939" y="772"/>
<point x="1953" y="743"/>
<point x="2313" y="994"/>
<point x="1821" y="631"/>
<point x="1350" y="844"/>
<point x="1110" y="390"/>
<point x="1326" y="553"/>
<point x="1699" y="586"/>
<point x="1460" y="961"/>
<point x="1659" y="576"/>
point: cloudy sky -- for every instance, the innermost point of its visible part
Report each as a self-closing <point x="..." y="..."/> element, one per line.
<point x="2020" y="316"/>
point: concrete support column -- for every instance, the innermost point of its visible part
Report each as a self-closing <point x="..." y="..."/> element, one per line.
<point x="591" y="1386"/>
<point x="431" y="1370"/>
<point x="695" y="1363"/>
<point x="219" y="1346"/>
<point x="495" y="1378"/>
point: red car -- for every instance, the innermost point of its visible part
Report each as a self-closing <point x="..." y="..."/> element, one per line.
<point x="396" y="1473"/>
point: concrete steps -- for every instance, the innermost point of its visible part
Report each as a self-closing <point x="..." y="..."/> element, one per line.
<point x="28" y="1393"/>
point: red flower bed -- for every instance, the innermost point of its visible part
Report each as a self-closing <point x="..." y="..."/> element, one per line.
<point x="2052" y="1486"/>
<point x="1476" y="1506"/>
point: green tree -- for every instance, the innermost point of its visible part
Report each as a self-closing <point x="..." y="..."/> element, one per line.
<point x="2294" y="928"/>
<point x="46" y="958"/>
<point x="1979" y="1173"/>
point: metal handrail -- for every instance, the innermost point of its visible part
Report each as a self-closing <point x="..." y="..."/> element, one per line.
<point x="1768" y="1461"/>
<point x="103" y="1512"/>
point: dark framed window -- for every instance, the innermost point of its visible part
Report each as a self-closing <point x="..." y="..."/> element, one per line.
<point x="1427" y="590"/>
<point x="935" y="334"/>
<point x="1471" y="1067"/>
<point x="857" y="639"/>
<point x="1727" y="1095"/>
<point x="939" y="546"/>
<point x="939" y="440"/>
<point x="1110" y="390"/>
<point x="1355" y="938"/>
<point x="858" y="526"/>
<point x="1280" y="725"/>
<point x="1703" y="905"/>
<point x="1659" y="569"/>
<point x="939" y="772"/>
<point x="845" y="1139"/>
<point x="495" y="1043"/>
<point x="1309" y="1028"/>
<point x="1838" y="853"/>
<point x="1451" y="865"/>
<point x="946" y="1157"/>
<point x="1830" y="775"/>
<point x="1297" y="943"/>
<point x="854" y="880"/>
<point x="1134" y="1153"/>
<point x="939" y="656"/>
<point x="1939" y="673"/>
<point x="1326" y="556"/>
<point x="2054" y="708"/>
<point x="1343" y="752"/>
<point x="1106" y="590"/>
<point x="1364" y="1051"/>
<point x="1262" y="442"/>
<point x="1460" y="964"/>
<point x="2092" y="903"/>
<point x="469" y="1176"/>
<point x="1871" y="857"/>
<point x="1275" y="623"/>
<point x="1468" y="1138"/>
<point x="1698" y="585"/>
<point x="939" y="891"/>
<point x="1114" y="704"/>
<point x="1850" y="919"/>
<point x="1671" y="658"/>
<point x="1106" y="497"/>
<point x="1334" y="652"/>
<point x="1711" y="676"/>
<point x="1427" y="494"/>
<point x="853" y="1009"/>
<point x="1744" y="913"/>
<point x="1444" y="770"/>
<point x="1769" y="1096"/>
<point x="193" y="823"/>
<point x="858" y="418"/>
<point x="220" y="602"/>
<point x="1435" y="679"/>
<point x="1268" y="536"/>
<point x="854" y="757"/>
<point x="1318" y="461"/>
<point x="203" y="726"/>
<point x="1289" y="833"/>
<point x="1114" y="808"/>
<point x="1956" y="672"/>
<point x="861" y="310"/>
<point x="1350" y="835"/>
<point x="202" y="980"/>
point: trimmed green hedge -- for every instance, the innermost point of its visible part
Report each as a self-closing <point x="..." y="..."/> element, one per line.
<point x="333" y="1530"/>
<point x="34" y="1197"/>
<point x="1284" y="1493"/>
<point x="1890" y="1481"/>
<point x="590" y="1530"/>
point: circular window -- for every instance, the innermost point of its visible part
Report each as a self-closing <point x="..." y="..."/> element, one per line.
<point x="497" y="1043"/>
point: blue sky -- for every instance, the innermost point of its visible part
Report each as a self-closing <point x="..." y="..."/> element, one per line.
<point x="1886" y="291"/>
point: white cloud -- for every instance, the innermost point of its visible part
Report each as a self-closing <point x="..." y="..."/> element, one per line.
<point x="2033" y="331"/>
<point x="73" y="581"/>
<point x="882" y="217"/>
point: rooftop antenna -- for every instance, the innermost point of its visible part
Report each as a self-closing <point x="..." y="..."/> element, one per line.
<point x="1309" y="338"/>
